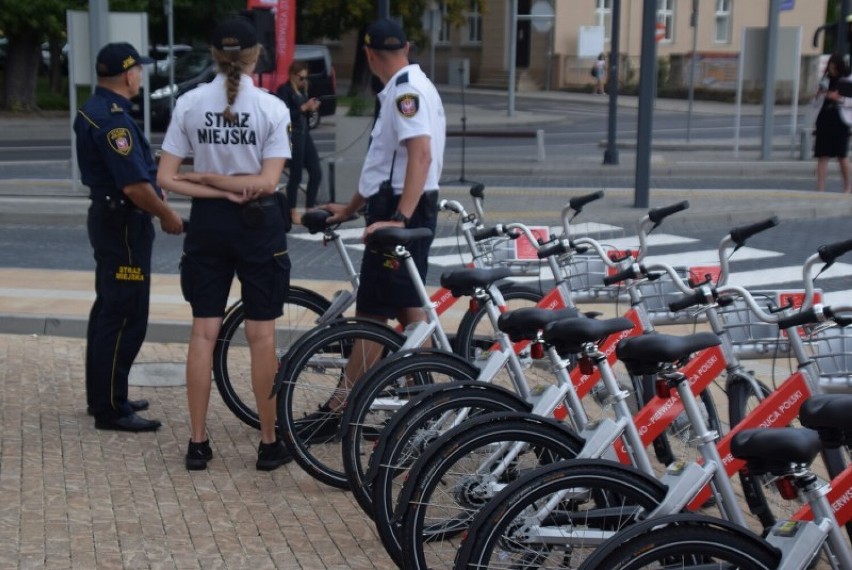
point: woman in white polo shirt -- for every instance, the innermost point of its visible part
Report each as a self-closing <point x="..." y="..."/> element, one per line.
<point x="238" y="137"/>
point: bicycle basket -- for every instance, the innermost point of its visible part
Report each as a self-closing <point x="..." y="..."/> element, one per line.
<point x="659" y="293"/>
<point x="752" y="338"/>
<point x="832" y="351"/>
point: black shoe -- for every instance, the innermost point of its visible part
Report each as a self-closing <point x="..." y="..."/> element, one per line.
<point x="130" y="422"/>
<point x="135" y="405"/>
<point x="320" y="426"/>
<point x="198" y="455"/>
<point x="272" y="456"/>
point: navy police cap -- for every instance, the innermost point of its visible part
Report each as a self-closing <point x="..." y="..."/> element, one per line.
<point x="234" y="34"/>
<point x="385" y="34"/>
<point x="117" y="58"/>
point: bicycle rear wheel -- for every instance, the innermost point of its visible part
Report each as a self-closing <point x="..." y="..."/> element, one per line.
<point x="463" y="470"/>
<point x="691" y="542"/>
<point x="231" y="359"/>
<point x="317" y="372"/>
<point x="382" y="392"/>
<point x="589" y="501"/>
<point x="411" y="431"/>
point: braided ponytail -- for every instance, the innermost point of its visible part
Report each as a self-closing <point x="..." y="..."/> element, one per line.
<point x="233" y="64"/>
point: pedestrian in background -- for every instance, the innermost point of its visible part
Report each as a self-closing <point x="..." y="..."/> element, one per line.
<point x="238" y="136"/>
<point x="116" y="164"/>
<point x="295" y="94"/>
<point x="600" y="74"/>
<point x="832" y="131"/>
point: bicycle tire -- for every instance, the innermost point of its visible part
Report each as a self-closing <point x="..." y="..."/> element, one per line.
<point x="614" y="497"/>
<point x="392" y="381"/>
<point x="410" y="433"/>
<point x="308" y="378"/>
<point x="469" y="340"/>
<point x="429" y="536"/>
<point x="684" y="541"/>
<point x="231" y="362"/>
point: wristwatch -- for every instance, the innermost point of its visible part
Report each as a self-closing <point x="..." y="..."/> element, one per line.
<point x="400" y="217"/>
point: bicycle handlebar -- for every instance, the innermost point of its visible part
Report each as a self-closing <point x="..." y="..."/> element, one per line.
<point x="830" y="252"/>
<point x="741" y="234"/>
<point x="817" y="314"/>
<point x="453" y="206"/>
<point x="657" y="215"/>
<point x="629" y="273"/>
<point x="577" y="202"/>
<point x="477" y="190"/>
<point x="687" y="301"/>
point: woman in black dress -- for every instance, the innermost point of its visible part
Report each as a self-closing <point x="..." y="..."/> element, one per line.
<point x="295" y="94"/>
<point x="832" y="132"/>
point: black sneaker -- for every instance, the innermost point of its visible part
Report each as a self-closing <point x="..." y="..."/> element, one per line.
<point x="272" y="456"/>
<point x="198" y="455"/>
<point x="319" y="427"/>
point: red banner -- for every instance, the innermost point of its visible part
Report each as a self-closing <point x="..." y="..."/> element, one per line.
<point x="285" y="35"/>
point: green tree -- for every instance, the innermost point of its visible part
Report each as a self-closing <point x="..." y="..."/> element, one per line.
<point x="332" y="18"/>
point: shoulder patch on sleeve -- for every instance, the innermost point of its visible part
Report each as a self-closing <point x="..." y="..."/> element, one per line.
<point x="408" y="105"/>
<point x="402" y="79"/>
<point x="120" y="140"/>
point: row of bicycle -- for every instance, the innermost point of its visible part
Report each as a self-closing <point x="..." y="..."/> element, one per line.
<point x="430" y="440"/>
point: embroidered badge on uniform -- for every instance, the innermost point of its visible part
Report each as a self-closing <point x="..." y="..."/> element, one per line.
<point x="116" y="108"/>
<point x="408" y="105"/>
<point x="120" y="141"/>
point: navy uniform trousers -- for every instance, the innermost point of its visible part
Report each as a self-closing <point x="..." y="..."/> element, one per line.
<point x="122" y="241"/>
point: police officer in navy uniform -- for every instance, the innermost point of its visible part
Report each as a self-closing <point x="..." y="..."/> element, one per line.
<point x="398" y="184"/>
<point x="116" y="164"/>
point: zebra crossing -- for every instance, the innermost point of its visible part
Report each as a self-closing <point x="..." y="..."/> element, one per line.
<point x="751" y="267"/>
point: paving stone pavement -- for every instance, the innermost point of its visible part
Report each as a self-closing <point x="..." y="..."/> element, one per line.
<point x="75" y="497"/>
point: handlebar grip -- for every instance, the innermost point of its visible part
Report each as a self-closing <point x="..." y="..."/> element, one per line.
<point x="657" y="215"/>
<point x="577" y="202"/>
<point x="828" y="253"/>
<point x="801" y="318"/>
<point x="556" y="248"/>
<point x="742" y="233"/>
<point x="485" y="233"/>
<point x="686" y="301"/>
<point x="629" y="273"/>
<point x="478" y="190"/>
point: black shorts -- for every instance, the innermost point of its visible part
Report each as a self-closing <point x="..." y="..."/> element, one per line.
<point x="385" y="287"/>
<point x="219" y="246"/>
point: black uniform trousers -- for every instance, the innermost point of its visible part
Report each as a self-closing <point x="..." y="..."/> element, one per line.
<point x="122" y="240"/>
<point x="305" y="158"/>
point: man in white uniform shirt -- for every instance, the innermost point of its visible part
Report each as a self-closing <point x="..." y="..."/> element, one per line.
<point x="398" y="185"/>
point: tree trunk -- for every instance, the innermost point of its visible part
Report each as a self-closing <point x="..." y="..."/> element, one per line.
<point x="56" y="66"/>
<point x="361" y="74"/>
<point x="22" y="63"/>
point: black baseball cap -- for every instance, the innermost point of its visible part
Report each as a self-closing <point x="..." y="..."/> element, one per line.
<point x="234" y="34"/>
<point x="117" y="58"/>
<point x="385" y="34"/>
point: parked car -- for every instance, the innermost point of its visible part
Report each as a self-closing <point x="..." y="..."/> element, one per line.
<point x="197" y="67"/>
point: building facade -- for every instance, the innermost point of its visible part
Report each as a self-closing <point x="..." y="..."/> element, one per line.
<point x="479" y="51"/>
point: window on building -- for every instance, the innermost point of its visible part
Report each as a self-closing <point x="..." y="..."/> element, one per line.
<point x="473" y="24"/>
<point x="603" y="16"/>
<point x="443" y="26"/>
<point x="723" y="22"/>
<point x="665" y="16"/>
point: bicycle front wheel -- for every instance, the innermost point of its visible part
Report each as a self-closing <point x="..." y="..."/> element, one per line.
<point x="322" y="370"/>
<point x="465" y="469"/>
<point x="231" y="359"/>
<point x="556" y="516"/>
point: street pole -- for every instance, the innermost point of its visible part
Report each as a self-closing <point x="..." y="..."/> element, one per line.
<point x="611" y="152"/>
<point x="168" y="5"/>
<point x="694" y="23"/>
<point x="769" y="85"/>
<point x="384" y="9"/>
<point x="843" y="28"/>
<point x="98" y="30"/>
<point x="513" y="53"/>
<point x="647" y="92"/>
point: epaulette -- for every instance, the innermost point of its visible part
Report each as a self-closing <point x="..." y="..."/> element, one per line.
<point x="116" y="108"/>
<point x="402" y="79"/>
